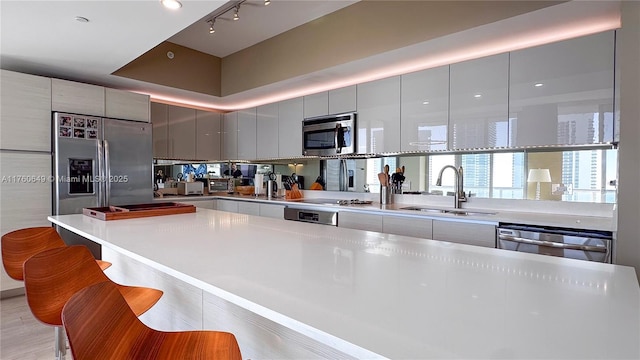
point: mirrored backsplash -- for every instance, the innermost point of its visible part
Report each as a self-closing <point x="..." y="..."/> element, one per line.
<point x="571" y="175"/>
<point x="588" y="176"/>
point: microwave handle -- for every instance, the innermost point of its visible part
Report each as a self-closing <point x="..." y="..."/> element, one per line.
<point x="336" y="135"/>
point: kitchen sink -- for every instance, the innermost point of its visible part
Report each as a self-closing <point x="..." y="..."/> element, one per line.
<point x="458" y="212"/>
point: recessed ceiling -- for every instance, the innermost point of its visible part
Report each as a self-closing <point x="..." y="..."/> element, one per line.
<point x="44" y="38"/>
<point x="257" y="23"/>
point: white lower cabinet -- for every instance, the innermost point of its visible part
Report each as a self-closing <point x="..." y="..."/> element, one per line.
<point x="407" y="226"/>
<point x="272" y="211"/>
<point x="465" y="233"/>
<point x="249" y="208"/>
<point x="360" y="221"/>
<point x="227" y="205"/>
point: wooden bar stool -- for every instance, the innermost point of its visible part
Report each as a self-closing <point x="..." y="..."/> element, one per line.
<point x="52" y="276"/>
<point x="100" y="325"/>
<point x="19" y="245"/>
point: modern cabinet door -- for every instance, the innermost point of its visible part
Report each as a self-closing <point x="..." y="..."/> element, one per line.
<point x="479" y="103"/>
<point x="248" y="208"/>
<point x="267" y="131"/>
<point x="25" y="103"/>
<point x="120" y="104"/>
<point x="342" y="100"/>
<point x="247" y="134"/>
<point x="316" y="104"/>
<point x="407" y="226"/>
<point x="208" y="132"/>
<point x="79" y="98"/>
<point x="230" y="136"/>
<point x="182" y="132"/>
<point x="227" y="205"/>
<point x="378" y="120"/>
<point x="26" y="194"/>
<point x="290" y="127"/>
<point x="272" y="211"/>
<point x="562" y="93"/>
<point x="425" y="110"/>
<point x="160" y="130"/>
<point x="360" y="221"/>
<point x="465" y="233"/>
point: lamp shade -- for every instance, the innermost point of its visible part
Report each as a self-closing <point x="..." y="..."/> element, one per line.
<point x="539" y="175"/>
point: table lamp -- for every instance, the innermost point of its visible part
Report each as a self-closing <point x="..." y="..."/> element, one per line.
<point x="537" y="176"/>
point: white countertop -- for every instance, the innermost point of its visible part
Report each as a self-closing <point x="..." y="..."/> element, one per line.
<point x="379" y="295"/>
<point x="517" y="217"/>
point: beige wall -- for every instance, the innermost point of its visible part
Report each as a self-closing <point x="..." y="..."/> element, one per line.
<point x="352" y="33"/>
<point x="356" y="32"/>
<point x="628" y="236"/>
<point x="189" y="69"/>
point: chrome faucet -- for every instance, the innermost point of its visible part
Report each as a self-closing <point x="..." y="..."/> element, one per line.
<point x="459" y="196"/>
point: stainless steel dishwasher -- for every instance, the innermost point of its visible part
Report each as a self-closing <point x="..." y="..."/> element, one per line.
<point x="591" y="245"/>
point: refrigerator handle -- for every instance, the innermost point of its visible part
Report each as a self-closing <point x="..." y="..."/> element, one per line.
<point x="101" y="175"/>
<point x="107" y="179"/>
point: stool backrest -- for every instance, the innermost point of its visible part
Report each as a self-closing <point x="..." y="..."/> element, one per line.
<point x="20" y="245"/>
<point x="100" y="325"/>
<point x="51" y="277"/>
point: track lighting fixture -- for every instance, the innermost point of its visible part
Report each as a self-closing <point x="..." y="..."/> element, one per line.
<point x="232" y="5"/>
<point x="235" y="15"/>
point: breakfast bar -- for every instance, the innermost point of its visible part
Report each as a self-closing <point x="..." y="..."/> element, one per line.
<point x="297" y="290"/>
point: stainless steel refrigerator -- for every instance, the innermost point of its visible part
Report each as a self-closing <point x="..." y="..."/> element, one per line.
<point x="99" y="162"/>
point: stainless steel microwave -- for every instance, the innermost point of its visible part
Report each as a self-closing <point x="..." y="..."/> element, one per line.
<point x="329" y="135"/>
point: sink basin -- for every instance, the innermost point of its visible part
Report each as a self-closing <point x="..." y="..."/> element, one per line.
<point x="459" y="212"/>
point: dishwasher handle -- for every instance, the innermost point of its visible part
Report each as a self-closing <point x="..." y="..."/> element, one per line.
<point x="552" y="244"/>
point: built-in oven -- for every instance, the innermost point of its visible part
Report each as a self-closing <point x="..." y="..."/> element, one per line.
<point x="591" y="245"/>
<point x="329" y="135"/>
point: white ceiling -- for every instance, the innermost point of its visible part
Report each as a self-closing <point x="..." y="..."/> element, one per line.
<point x="43" y="38"/>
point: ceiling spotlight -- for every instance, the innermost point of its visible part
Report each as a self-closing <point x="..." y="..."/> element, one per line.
<point x="82" y="19"/>
<point x="171" y="4"/>
<point x="211" y="29"/>
<point x="477" y="96"/>
<point x="267" y="2"/>
<point x="235" y="15"/>
<point x="538" y="84"/>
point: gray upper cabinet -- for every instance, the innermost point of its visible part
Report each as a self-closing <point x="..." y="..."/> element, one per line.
<point x="290" y="127"/>
<point x="425" y="110"/>
<point x="343" y="100"/>
<point x="378" y="120"/>
<point x="25" y="109"/>
<point x="182" y="131"/>
<point x="267" y="131"/>
<point x="247" y="149"/>
<point x="79" y="98"/>
<point x="160" y="130"/>
<point x="230" y="136"/>
<point x="316" y="104"/>
<point x="208" y="130"/>
<point x="120" y="104"/>
<point x="562" y="93"/>
<point x="478" y="116"/>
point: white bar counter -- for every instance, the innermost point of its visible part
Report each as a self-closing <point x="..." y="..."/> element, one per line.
<point x="372" y="295"/>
